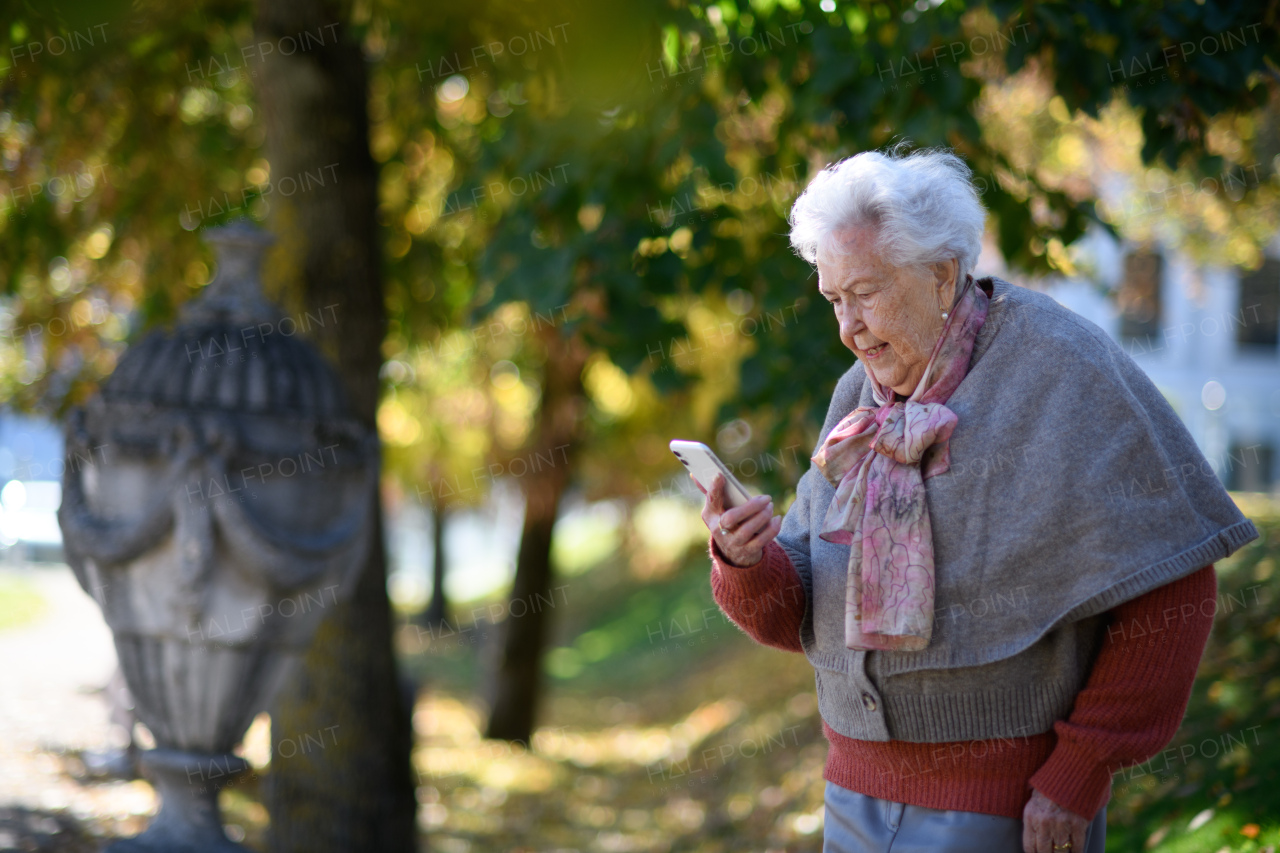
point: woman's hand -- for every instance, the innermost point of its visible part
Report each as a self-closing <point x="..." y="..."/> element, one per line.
<point x="743" y="531"/>
<point x="1047" y="827"/>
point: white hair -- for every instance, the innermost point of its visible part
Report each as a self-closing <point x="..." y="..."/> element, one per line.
<point x="923" y="206"/>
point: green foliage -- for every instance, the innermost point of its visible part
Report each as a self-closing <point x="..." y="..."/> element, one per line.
<point x="735" y="93"/>
<point x="113" y="128"/>
<point x="623" y="166"/>
<point x="1225" y="756"/>
<point x="1189" y="61"/>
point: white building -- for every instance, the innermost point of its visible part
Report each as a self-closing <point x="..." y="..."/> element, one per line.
<point x="31" y="461"/>
<point x="1207" y="337"/>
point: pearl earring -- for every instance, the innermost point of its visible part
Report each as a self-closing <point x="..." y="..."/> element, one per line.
<point x="944" y="315"/>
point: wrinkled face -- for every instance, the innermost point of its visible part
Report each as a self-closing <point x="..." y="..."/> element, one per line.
<point x="889" y="316"/>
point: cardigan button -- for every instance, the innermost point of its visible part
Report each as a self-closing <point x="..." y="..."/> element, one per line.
<point x="868" y="701"/>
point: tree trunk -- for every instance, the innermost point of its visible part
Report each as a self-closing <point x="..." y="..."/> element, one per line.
<point x="357" y="793"/>
<point x="518" y="677"/>
<point x="438" y="611"/>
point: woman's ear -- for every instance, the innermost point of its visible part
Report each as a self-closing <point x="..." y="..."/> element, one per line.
<point x="944" y="278"/>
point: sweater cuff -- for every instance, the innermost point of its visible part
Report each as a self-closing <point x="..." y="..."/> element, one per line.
<point x="765" y="600"/>
<point x="721" y="561"/>
<point x="1074" y="779"/>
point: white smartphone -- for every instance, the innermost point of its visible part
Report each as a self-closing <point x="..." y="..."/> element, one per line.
<point x="703" y="464"/>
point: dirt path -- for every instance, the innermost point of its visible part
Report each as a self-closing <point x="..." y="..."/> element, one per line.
<point x="51" y="708"/>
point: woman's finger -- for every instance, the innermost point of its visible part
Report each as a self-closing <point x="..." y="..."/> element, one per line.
<point x="1034" y="833"/>
<point x="1044" y="835"/>
<point x="1077" y="838"/>
<point x="748" y="552"/>
<point x="1063" y="833"/>
<point x="737" y="515"/>
<point x="710" y="508"/>
<point x="1046" y="826"/>
<point x="743" y="530"/>
<point x="715" y="498"/>
<point x="765" y="536"/>
<point x="1076" y="828"/>
<point x="1048" y="835"/>
<point x="696" y="483"/>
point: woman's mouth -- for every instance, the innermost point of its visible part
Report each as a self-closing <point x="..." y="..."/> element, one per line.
<point x="874" y="351"/>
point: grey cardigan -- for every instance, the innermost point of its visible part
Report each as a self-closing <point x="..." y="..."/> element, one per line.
<point x="1073" y="487"/>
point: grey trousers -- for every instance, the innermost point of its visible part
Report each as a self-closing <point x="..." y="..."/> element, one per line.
<point x="856" y="823"/>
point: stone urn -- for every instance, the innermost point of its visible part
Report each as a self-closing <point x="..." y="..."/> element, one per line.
<point x="228" y="508"/>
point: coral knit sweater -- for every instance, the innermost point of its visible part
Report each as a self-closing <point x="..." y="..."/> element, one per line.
<point x="1128" y="710"/>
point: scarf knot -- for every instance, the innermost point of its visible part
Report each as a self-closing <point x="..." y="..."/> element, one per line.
<point x="877" y="458"/>
<point x="909" y="429"/>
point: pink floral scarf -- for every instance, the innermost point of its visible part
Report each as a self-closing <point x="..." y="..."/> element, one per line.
<point x="878" y="459"/>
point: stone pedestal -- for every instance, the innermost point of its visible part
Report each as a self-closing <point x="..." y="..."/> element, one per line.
<point x="189" y="821"/>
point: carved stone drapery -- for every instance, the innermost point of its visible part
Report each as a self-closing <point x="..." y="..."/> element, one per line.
<point x="232" y="505"/>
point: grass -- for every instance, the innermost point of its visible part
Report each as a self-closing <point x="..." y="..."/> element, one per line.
<point x="20" y="602"/>
<point x="663" y="728"/>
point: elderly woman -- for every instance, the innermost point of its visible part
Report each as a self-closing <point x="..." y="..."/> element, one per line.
<point x="1005" y="542"/>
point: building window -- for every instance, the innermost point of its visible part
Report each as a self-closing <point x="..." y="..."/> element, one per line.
<point x="1260" y="307"/>
<point x="1249" y="467"/>
<point x="1138" y="296"/>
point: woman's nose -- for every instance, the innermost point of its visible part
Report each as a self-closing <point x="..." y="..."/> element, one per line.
<point x="850" y="323"/>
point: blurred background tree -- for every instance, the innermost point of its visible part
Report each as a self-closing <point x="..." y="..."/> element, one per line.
<point x="609" y="201"/>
